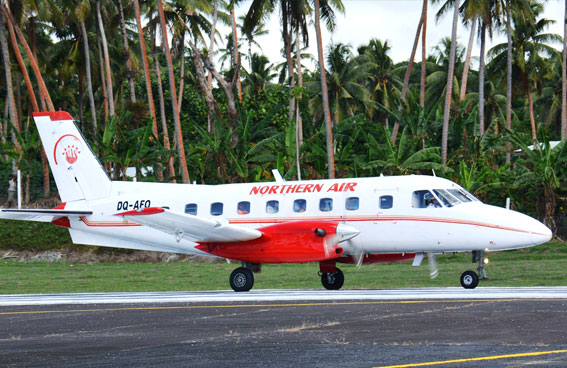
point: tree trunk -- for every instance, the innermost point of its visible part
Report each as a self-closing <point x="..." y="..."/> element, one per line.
<point x="408" y="73"/>
<point x="325" y="94"/>
<point x="127" y="53"/>
<point x="102" y="78"/>
<point x="298" y="120"/>
<point x="467" y="63"/>
<point x="166" y="143"/>
<point x="207" y="92"/>
<point x="481" y="79"/>
<point x="31" y="58"/>
<point x="176" y="121"/>
<point x="106" y="61"/>
<point x="181" y="71"/>
<point x="532" y="118"/>
<point x="564" y="79"/>
<point x="449" y="89"/>
<point x="8" y="73"/>
<point x="287" y="47"/>
<point x="148" y="79"/>
<point x="211" y="61"/>
<point x="423" y="55"/>
<point x="236" y="54"/>
<point x="509" y="78"/>
<point x="86" y="51"/>
<point x="23" y="68"/>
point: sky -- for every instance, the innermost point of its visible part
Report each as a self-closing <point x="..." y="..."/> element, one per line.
<point x="392" y="20"/>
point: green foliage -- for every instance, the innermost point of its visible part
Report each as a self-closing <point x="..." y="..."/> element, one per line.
<point x="37" y="236"/>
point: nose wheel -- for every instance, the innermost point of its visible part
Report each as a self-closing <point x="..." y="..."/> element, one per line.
<point x="469" y="279"/>
<point x="333" y="280"/>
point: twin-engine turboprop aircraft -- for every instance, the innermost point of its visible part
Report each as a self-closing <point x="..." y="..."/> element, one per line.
<point x="357" y="221"/>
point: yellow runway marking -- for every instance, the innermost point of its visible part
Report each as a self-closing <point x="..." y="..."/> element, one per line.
<point x="283" y="305"/>
<point x="494" y="357"/>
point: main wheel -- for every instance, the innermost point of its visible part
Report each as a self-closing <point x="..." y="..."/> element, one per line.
<point x="333" y="280"/>
<point x="241" y="279"/>
<point x="469" y="280"/>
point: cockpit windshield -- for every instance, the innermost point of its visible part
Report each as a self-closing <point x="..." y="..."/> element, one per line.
<point x="461" y="195"/>
<point x="447" y="199"/>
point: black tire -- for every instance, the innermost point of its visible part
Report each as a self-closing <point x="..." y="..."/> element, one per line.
<point x="241" y="279"/>
<point x="469" y="279"/>
<point x="333" y="280"/>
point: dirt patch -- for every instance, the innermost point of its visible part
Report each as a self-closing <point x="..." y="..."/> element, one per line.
<point x="102" y="256"/>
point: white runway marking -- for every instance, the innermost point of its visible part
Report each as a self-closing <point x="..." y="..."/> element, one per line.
<point x="287" y="295"/>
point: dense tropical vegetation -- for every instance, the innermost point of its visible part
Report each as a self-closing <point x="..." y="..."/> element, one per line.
<point x="154" y="84"/>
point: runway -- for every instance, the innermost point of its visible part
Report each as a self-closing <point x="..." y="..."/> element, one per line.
<point x="485" y="327"/>
<point x="287" y="295"/>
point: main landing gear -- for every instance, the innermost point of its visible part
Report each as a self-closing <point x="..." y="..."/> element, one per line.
<point x="470" y="279"/>
<point x="242" y="279"/>
<point x="333" y="280"/>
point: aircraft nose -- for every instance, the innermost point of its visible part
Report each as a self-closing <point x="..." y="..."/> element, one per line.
<point x="540" y="233"/>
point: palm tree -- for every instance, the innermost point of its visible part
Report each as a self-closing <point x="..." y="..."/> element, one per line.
<point x="176" y="119"/>
<point x="108" y="72"/>
<point x="564" y="80"/>
<point x="447" y="107"/>
<point x="130" y="73"/>
<point x="8" y="73"/>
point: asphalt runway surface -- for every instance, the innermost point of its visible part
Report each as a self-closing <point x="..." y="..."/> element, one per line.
<point x="487" y="327"/>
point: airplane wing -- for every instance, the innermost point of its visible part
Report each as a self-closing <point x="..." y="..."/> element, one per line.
<point x="193" y="228"/>
<point x="40" y="215"/>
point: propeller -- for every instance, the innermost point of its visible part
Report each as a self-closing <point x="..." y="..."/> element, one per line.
<point x="433" y="270"/>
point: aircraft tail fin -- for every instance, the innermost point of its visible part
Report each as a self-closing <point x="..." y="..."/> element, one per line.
<point x="78" y="173"/>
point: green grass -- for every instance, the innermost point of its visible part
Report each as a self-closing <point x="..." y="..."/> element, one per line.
<point x="544" y="265"/>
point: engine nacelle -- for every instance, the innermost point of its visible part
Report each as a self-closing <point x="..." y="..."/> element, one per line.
<point x="289" y="242"/>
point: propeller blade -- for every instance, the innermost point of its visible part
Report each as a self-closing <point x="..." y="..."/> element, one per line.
<point x="433" y="271"/>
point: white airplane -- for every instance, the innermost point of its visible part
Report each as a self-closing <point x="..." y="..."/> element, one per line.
<point x="356" y="221"/>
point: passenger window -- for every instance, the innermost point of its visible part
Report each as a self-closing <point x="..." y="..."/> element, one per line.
<point x="299" y="205"/>
<point x="325" y="204"/>
<point x="272" y="206"/>
<point x="351" y="203"/>
<point x="424" y="199"/>
<point x="386" y="202"/>
<point x="216" y="208"/>
<point x="191" y="209"/>
<point x="243" y="208"/>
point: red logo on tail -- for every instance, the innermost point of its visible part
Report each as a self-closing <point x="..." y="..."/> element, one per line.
<point x="69" y="147"/>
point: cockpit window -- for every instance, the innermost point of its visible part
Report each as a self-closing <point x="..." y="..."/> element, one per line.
<point x="424" y="199"/>
<point x="447" y="199"/>
<point x="460" y="195"/>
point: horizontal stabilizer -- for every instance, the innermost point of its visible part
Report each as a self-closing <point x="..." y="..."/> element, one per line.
<point x="190" y="227"/>
<point x="40" y="215"/>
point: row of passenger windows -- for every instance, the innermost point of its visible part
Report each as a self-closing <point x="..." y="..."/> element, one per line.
<point x="299" y="205"/>
<point x="420" y="199"/>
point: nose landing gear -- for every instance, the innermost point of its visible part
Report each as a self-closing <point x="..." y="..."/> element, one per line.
<point x="470" y="279"/>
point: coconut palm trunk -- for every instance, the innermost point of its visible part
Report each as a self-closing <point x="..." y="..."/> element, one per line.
<point x="176" y="120"/>
<point x="408" y="72"/>
<point x="8" y="72"/>
<point x="481" y="79"/>
<point x="423" y="54"/>
<point x="127" y="53"/>
<point x="509" y="77"/>
<point x="298" y="120"/>
<point x="236" y="53"/>
<point x="449" y="89"/>
<point x="466" y="68"/>
<point x="86" y="51"/>
<point x="325" y="95"/>
<point x="106" y="61"/>
<point x="42" y="87"/>
<point x="23" y="68"/>
<point x="165" y="132"/>
<point x="564" y="80"/>
<point x="102" y="78"/>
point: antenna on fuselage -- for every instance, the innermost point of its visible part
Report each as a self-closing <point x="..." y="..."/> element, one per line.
<point x="277" y="176"/>
<point x="433" y="170"/>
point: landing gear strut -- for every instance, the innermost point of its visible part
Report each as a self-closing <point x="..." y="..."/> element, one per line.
<point x="478" y="257"/>
<point x="242" y="279"/>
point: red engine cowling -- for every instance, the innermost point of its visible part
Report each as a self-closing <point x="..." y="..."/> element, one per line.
<point x="289" y="242"/>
